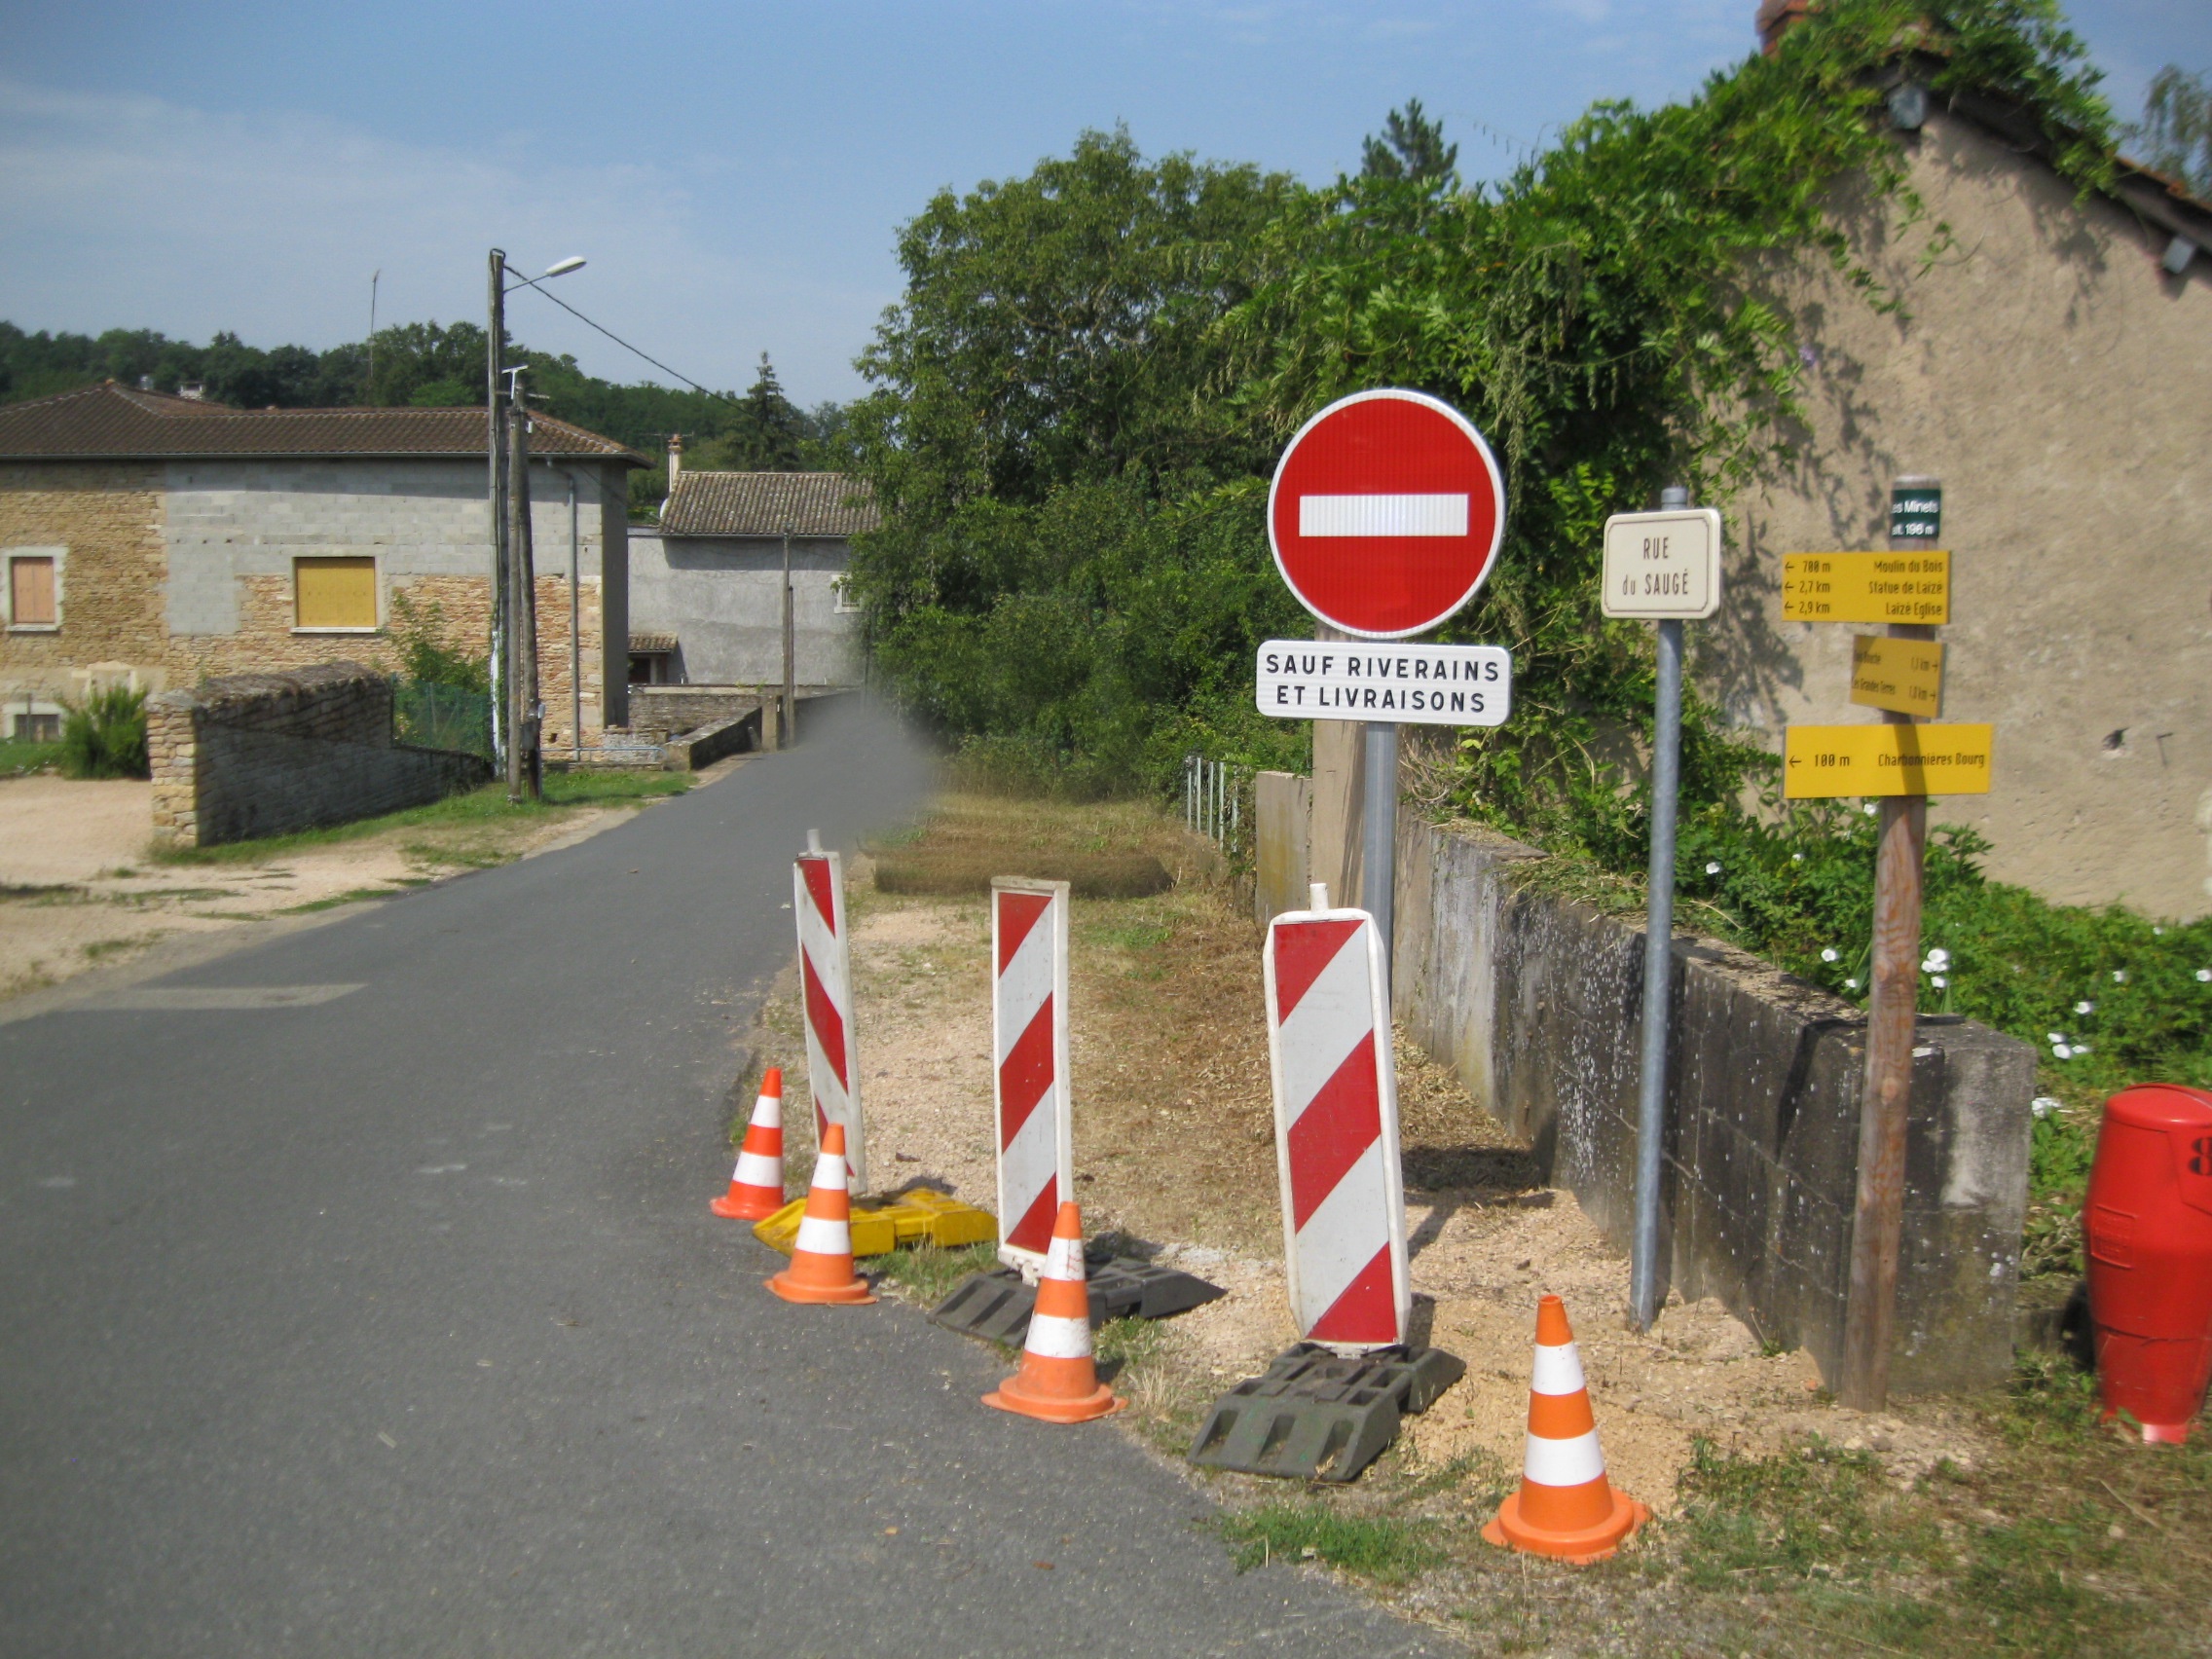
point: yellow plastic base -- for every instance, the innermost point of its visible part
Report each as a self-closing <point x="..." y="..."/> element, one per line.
<point x="919" y="1217"/>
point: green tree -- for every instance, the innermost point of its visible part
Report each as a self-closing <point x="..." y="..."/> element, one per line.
<point x="1412" y="146"/>
<point x="2176" y="129"/>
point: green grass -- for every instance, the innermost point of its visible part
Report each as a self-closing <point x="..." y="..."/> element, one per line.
<point x="485" y="808"/>
<point x="352" y="896"/>
<point x="927" y="1272"/>
<point x="18" y="759"/>
<point x="1383" y="1549"/>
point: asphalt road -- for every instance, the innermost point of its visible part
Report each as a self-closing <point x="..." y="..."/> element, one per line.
<point x="395" y="1323"/>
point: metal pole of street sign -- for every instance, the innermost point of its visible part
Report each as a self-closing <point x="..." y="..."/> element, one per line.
<point x="1378" y="851"/>
<point x="1878" y="1217"/>
<point x="1658" y="957"/>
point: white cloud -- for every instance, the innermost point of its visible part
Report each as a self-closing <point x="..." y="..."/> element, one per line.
<point x="136" y="211"/>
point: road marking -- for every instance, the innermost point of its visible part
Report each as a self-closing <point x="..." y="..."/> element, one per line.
<point x="183" y="999"/>
<point x="1383" y="515"/>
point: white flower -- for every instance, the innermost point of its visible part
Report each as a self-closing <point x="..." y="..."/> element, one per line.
<point x="1796" y="857"/>
<point x="2054" y="1036"/>
<point x="2085" y="1008"/>
<point x="2119" y="975"/>
<point x="1870" y="809"/>
<point x="1828" y="953"/>
<point x="2161" y="931"/>
<point x="2043" y="1105"/>
<point x="1851" y="984"/>
<point x="1939" y="981"/>
<point x="2061" y="1050"/>
<point x="1940" y="959"/>
<point x="2080" y="1048"/>
<point x="1713" y="870"/>
<point x="2204" y="975"/>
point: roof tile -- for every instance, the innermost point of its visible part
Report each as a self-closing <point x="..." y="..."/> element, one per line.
<point x="769" y="503"/>
<point x="115" y="422"/>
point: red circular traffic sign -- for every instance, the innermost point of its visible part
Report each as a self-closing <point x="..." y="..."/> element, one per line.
<point x="1385" y="513"/>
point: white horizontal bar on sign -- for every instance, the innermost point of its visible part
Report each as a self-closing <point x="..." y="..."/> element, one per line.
<point x="1382" y="515"/>
<point x="1305" y="680"/>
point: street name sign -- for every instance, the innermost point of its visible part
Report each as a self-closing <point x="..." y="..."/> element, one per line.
<point x="1303" y="679"/>
<point x="1663" y="564"/>
<point x="1866" y="588"/>
<point x="1385" y="513"/>
<point x="1903" y="676"/>
<point x="1819" y="761"/>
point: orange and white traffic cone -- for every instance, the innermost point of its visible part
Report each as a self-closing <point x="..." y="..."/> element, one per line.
<point x="822" y="1256"/>
<point x="757" y="1186"/>
<point x="1565" y="1506"/>
<point x="1057" y="1382"/>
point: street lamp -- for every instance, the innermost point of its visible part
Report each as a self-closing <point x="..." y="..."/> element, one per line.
<point x="507" y="645"/>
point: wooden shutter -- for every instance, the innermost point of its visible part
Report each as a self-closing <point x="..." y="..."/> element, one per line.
<point x="335" y="593"/>
<point x="30" y="591"/>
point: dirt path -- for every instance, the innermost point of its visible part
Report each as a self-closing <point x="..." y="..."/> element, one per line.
<point x="1174" y="1147"/>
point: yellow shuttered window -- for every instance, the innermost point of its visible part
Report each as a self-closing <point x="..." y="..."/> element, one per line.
<point x="335" y="593"/>
<point x="30" y="591"/>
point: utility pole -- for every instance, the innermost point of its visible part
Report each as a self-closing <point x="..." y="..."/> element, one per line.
<point x="525" y="765"/>
<point x="1878" y="1218"/>
<point x="787" y="726"/>
<point x="495" y="348"/>
<point x="576" y="629"/>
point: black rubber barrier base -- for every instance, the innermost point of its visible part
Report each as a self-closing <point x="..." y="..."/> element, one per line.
<point x="996" y="1305"/>
<point x="1315" y="1415"/>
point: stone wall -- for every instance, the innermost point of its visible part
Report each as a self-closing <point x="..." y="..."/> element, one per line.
<point x="269" y="754"/>
<point x="1535" y="1002"/>
<point x="663" y="710"/>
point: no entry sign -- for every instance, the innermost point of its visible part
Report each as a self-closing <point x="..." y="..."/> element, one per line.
<point x="1385" y="513"/>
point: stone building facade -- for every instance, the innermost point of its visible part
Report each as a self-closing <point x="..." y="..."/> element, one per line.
<point x="187" y="541"/>
<point x="706" y="584"/>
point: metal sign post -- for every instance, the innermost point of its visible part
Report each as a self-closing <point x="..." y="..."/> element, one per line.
<point x="1664" y="566"/>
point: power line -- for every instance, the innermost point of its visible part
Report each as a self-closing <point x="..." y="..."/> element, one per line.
<point x="619" y="341"/>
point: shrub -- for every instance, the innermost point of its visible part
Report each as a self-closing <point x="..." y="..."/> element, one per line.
<point x="106" y="738"/>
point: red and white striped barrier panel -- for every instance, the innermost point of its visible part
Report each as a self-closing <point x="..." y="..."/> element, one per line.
<point x="1343" y="1203"/>
<point x="825" y="965"/>
<point x="1029" y="1032"/>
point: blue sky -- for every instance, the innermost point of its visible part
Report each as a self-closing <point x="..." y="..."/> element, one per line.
<point x="734" y="174"/>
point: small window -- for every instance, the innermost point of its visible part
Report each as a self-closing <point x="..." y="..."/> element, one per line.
<point x="35" y="727"/>
<point x="847" y="604"/>
<point x="32" y="600"/>
<point x="335" y="593"/>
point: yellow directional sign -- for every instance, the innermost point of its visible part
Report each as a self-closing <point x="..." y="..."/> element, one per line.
<point x="1903" y="674"/>
<point x="1821" y="760"/>
<point x="1866" y="588"/>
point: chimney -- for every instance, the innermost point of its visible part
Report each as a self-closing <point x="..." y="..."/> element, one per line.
<point x="674" y="457"/>
<point x="1774" y="19"/>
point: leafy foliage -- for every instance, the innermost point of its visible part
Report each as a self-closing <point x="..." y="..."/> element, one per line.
<point x="105" y="737"/>
<point x="428" y="654"/>
<point x="1412" y="146"/>
<point x="2176" y="131"/>
<point x="427" y="365"/>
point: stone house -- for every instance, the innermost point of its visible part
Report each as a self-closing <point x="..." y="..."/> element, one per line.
<point x="2052" y="368"/>
<point x="706" y="584"/>
<point x="162" y="540"/>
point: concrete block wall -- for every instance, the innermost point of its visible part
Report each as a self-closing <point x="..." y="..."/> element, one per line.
<point x="1535" y="1002"/>
<point x="270" y="754"/>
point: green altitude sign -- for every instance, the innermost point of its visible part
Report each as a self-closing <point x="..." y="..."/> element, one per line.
<point x="1307" y="680"/>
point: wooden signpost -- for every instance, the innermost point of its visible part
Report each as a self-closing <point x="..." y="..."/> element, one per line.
<point x="1900" y="762"/>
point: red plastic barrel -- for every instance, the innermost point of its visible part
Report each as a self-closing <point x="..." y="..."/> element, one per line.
<point x="2148" y="1222"/>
